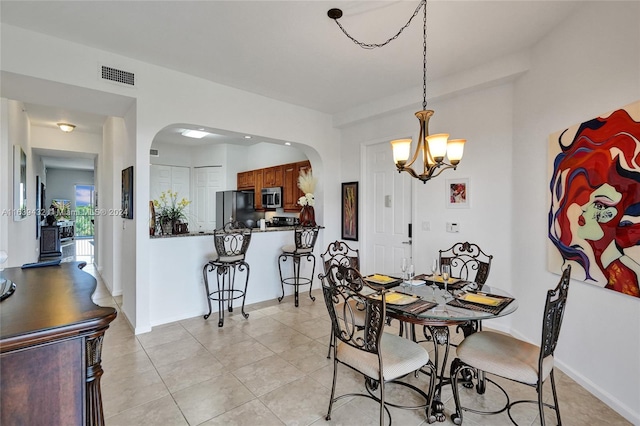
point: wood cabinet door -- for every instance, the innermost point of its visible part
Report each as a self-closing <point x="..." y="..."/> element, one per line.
<point x="290" y="187"/>
<point x="246" y="180"/>
<point x="273" y="176"/>
<point x="258" y="178"/>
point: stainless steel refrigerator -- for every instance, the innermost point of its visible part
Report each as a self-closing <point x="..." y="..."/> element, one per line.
<point x="237" y="206"/>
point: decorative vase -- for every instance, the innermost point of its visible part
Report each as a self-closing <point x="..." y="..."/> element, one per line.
<point x="307" y="216"/>
<point x="167" y="228"/>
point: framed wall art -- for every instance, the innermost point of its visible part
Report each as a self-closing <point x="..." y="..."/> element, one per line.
<point x="457" y="193"/>
<point x="19" y="183"/>
<point x="127" y="193"/>
<point x="350" y="211"/>
<point x="594" y="200"/>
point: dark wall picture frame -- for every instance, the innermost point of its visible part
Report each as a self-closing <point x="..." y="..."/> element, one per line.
<point x="39" y="205"/>
<point x="127" y="193"/>
<point x="350" y="211"/>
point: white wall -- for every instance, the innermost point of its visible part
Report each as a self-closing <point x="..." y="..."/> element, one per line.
<point x="61" y="184"/>
<point x="20" y="242"/>
<point x="587" y="67"/>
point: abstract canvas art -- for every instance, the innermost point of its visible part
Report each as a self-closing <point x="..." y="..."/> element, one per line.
<point x="594" y="203"/>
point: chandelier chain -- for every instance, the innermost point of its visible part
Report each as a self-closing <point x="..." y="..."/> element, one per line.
<point x="424" y="57"/>
<point x="374" y="45"/>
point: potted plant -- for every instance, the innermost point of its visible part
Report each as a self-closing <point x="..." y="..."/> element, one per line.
<point x="307" y="184"/>
<point x="170" y="211"/>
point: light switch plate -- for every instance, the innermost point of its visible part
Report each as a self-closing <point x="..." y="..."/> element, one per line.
<point x="453" y="227"/>
<point x="387" y="200"/>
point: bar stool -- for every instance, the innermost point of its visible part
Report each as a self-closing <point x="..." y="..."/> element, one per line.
<point x="231" y="243"/>
<point x="305" y="240"/>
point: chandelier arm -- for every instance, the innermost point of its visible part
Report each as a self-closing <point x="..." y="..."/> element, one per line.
<point x="374" y="45"/>
<point x="441" y="168"/>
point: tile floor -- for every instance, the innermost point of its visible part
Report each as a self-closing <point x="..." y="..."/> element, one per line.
<point x="272" y="369"/>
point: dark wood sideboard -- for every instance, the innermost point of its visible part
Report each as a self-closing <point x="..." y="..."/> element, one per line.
<point x="51" y="337"/>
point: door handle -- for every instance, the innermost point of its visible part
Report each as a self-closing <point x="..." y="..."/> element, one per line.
<point x="407" y="242"/>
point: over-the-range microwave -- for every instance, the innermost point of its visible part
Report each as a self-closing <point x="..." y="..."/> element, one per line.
<point x="272" y="197"/>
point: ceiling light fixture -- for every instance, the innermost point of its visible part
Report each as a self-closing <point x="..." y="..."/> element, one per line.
<point x="66" y="127"/>
<point x="433" y="148"/>
<point x="196" y="134"/>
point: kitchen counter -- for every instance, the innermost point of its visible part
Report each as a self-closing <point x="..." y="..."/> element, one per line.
<point x="201" y="234"/>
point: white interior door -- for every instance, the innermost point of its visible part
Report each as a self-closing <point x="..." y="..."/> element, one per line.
<point x="208" y="181"/>
<point x="387" y="209"/>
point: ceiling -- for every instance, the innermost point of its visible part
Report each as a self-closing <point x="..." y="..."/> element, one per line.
<point x="290" y="50"/>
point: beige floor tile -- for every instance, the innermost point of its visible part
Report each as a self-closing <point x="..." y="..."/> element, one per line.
<point x="240" y="354"/>
<point x="252" y="413"/>
<point x="209" y="399"/>
<point x="119" y="393"/>
<point x="308" y="357"/>
<point x="190" y="371"/>
<point x="127" y="365"/>
<point x="283" y="340"/>
<point x="169" y="353"/>
<point x="163" y="334"/>
<point x="162" y="411"/>
<point x="267" y="374"/>
<point x="301" y="402"/>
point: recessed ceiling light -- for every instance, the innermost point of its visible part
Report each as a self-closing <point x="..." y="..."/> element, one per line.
<point x="247" y="137"/>
<point x="287" y="143"/>
<point x="197" y="134"/>
<point x="66" y="127"/>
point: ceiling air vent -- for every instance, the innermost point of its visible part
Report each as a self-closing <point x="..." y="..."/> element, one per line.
<point x="118" y="76"/>
<point x="154" y="152"/>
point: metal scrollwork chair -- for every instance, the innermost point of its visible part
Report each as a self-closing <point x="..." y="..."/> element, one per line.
<point x="514" y="359"/>
<point x="339" y="253"/>
<point x="305" y="240"/>
<point x="468" y="262"/>
<point x="381" y="357"/>
<point x="231" y="243"/>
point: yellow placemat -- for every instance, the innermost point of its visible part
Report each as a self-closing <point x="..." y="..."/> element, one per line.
<point x="438" y="279"/>
<point x="394" y="298"/>
<point x="380" y="279"/>
<point x="482" y="299"/>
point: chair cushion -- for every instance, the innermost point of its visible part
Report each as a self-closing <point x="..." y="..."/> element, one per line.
<point x="400" y="356"/>
<point x="227" y="259"/>
<point x="504" y="355"/>
<point x="291" y="249"/>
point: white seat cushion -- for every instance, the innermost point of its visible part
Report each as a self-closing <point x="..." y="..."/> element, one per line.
<point x="400" y="356"/>
<point x="228" y="259"/>
<point x="358" y="312"/>
<point x="504" y="355"/>
<point x="291" y="249"/>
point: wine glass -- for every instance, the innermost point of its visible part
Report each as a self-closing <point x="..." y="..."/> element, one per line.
<point x="410" y="274"/>
<point x="403" y="268"/>
<point x="446" y="273"/>
<point x="434" y="269"/>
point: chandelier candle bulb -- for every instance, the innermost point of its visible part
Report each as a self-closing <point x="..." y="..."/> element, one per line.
<point x="438" y="146"/>
<point x="401" y="150"/>
<point x="455" y="149"/>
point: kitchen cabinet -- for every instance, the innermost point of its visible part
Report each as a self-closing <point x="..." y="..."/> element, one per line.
<point x="284" y="175"/>
<point x="246" y="180"/>
<point x="272" y="176"/>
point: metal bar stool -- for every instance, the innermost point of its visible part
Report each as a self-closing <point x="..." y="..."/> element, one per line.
<point x="305" y="240"/>
<point x="231" y="243"/>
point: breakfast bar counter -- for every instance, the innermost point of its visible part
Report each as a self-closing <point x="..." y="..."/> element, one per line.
<point x="177" y="285"/>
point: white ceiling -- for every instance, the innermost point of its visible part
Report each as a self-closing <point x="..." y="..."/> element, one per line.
<point x="290" y="50"/>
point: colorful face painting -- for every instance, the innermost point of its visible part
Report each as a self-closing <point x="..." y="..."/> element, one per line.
<point x="594" y="214"/>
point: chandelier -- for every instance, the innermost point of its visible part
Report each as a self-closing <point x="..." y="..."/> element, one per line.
<point x="433" y="149"/>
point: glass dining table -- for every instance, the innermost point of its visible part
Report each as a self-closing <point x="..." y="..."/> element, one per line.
<point x="430" y="306"/>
